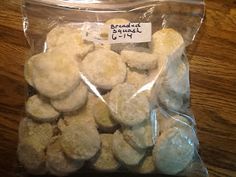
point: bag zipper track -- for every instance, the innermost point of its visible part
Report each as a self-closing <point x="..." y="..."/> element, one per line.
<point x="103" y="5"/>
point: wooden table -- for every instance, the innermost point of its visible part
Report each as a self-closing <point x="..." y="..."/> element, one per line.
<point x="213" y="85"/>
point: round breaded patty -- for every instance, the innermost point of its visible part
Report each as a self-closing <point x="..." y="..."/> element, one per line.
<point x="146" y="166"/>
<point x="124" y="152"/>
<point x="39" y="109"/>
<point x="166" y="42"/>
<point x="82" y="116"/>
<point x="55" y="73"/>
<point x="32" y="157"/>
<point x="139" y="58"/>
<point x="139" y="136"/>
<point x="103" y="116"/>
<point x="37" y="133"/>
<point x="173" y="121"/>
<point x="75" y="100"/>
<point x="62" y="34"/>
<point x="127" y="107"/>
<point x="104" y="68"/>
<point x="138" y="80"/>
<point x="176" y="77"/>
<point x="173" y="151"/>
<point x="69" y="37"/>
<point x="170" y="99"/>
<point x="80" y="142"/>
<point x="58" y="162"/>
<point x="105" y="160"/>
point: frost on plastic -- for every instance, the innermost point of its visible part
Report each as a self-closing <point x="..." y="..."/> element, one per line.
<point x="109" y="107"/>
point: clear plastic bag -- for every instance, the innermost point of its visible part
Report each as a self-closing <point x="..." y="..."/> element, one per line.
<point x="108" y="87"/>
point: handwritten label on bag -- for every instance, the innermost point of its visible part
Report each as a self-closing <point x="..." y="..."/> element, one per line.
<point x="130" y="33"/>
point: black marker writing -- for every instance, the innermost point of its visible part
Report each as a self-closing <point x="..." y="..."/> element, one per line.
<point x="125" y="31"/>
<point x="130" y="35"/>
<point x="113" y="37"/>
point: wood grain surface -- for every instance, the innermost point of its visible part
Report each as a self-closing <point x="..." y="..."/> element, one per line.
<point x="213" y="85"/>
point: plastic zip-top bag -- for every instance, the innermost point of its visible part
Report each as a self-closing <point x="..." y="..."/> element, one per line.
<point x="108" y="87"/>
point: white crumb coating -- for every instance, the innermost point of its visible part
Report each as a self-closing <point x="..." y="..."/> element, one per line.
<point x="78" y="52"/>
<point x="138" y="80"/>
<point x="105" y="160"/>
<point x="124" y="152"/>
<point x="167" y="43"/>
<point x="173" y="151"/>
<point x="167" y="121"/>
<point x="32" y="157"/>
<point x="176" y="77"/>
<point x="102" y="46"/>
<point x="103" y="117"/>
<point x="117" y="21"/>
<point x="139" y="136"/>
<point x="146" y="166"/>
<point x="170" y="99"/>
<point x="57" y="161"/>
<point x="75" y="100"/>
<point x="92" y="99"/>
<point x="139" y="58"/>
<point x="104" y="68"/>
<point x="55" y="73"/>
<point x="69" y="37"/>
<point x="81" y="116"/>
<point x="39" y="109"/>
<point x="61" y="124"/>
<point x="62" y="34"/>
<point x="80" y="142"/>
<point x="172" y="121"/>
<point x="38" y="134"/>
<point x="127" y="107"/>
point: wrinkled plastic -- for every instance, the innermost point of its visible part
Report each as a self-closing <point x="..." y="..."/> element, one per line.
<point x="169" y="96"/>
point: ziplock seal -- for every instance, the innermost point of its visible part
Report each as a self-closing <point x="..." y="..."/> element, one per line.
<point x="93" y="4"/>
